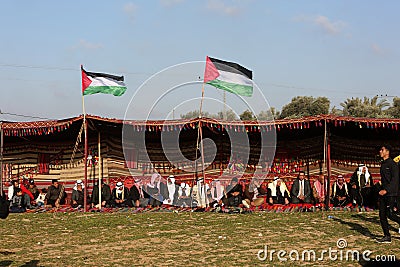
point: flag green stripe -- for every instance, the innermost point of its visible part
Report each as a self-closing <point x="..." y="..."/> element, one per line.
<point x="239" y="89"/>
<point x="112" y="90"/>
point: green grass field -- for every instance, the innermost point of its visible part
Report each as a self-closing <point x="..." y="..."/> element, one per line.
<point x="186" y="239"/>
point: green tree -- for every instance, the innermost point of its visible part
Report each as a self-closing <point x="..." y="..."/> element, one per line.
<point x="247" y="115"/>
<point x="368" y="108"/>
<point x="229" y="115"/>
<point x="271" y="114"/>
<point x="195" y="114"/>
<point x="302" y="106"/>
<point x="394" y="110"/>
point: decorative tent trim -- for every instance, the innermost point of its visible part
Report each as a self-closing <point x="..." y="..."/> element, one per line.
<point x="53" y="126"/>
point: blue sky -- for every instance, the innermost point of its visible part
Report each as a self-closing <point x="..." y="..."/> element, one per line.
<point x="337" y="49"/>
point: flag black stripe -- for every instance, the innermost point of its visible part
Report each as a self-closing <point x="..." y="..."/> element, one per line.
<point x="231" y="67"/>
<point x="104" y="75"/>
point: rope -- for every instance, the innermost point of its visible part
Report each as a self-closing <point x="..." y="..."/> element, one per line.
<point x="78" y="140"/>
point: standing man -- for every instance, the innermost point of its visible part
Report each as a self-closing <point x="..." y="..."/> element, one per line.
<point x="388" y="193"/>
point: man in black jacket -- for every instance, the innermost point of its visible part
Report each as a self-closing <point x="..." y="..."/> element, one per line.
<point x="105" y="195"/>
<point x="388" y="193"/>
<point x="4" y="206"/>
<point x="301" y="189"/>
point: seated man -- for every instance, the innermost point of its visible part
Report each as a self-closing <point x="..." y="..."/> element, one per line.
<point x="253" y="193"/>
<point x="157" y="190"/>
<point x="361" y="186"/>
<point x="55" y="194"/>
<point x="105" y="196"/>
<point x="11" y="190"/>
<point x="120" y="196"/>
<point x="340" y="193"/>
<point x="33" y="188"/>
<point x="172" y="188"/>
<point x="278" y="192"/>
<point x="78" y="194"/>
<point x="138" y="196"/>
<point x="301" y="189"/>
<point x="319" y="189"/>
<point x="215" y="193"/>
<point x="183" y="195"/>
<point x="234" y="195"/>
<point x="17" y="204"/>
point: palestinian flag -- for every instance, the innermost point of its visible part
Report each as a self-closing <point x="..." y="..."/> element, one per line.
<point x="228" y="76"/>
<point x="94" y="83"/>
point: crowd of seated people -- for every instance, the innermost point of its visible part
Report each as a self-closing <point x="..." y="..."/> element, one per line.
<point x="360" y="190"/>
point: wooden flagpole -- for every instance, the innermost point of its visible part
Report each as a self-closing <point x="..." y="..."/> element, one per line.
<point x="199" y="141"/>
<point x="85" y="153"/>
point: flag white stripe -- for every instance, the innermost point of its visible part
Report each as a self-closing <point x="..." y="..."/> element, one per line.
<point x="236" y="78"/>
<point x="102" y="81"/>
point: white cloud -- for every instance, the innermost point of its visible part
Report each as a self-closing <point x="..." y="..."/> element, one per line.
<point x="324" y="23"/>
<point x="169" y="3"/>
<point x="130" y="9"/>
<point x="221" y="7"/>
<point x="84" y="44"/>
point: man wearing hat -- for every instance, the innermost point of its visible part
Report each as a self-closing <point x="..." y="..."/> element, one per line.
<point x="55" y="194"/>
<point x="33" y="188"/>
<point x="78" y="194"/>
<point x="340" y="192"/>
<point x="278" y="192"/>
<point x="120" y="196"/>
<point x="234" y="195"/>
<point x="137" y="195"/>
<point x="361" y="186"/>
<point x="172" y="189"/>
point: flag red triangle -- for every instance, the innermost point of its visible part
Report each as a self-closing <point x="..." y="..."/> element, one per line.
<point x="211" y="72"/>
<point x="85" y="81"/>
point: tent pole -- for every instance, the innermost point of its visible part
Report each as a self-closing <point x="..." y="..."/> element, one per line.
<point x="328" y="165"/>
<point x="100" y="173"/>
<point x="85" y="154"/>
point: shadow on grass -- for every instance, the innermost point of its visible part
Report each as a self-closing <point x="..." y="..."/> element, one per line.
<point x="357" y="227"/>
<point x="5" y="263"/>
<point x="372" y="220"/>
<point x="32" y="263"/>
<point x="374" y="263"/>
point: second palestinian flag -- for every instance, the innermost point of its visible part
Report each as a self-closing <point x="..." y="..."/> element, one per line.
<point x="228" y="76"/>
<point x="94" y="83"/>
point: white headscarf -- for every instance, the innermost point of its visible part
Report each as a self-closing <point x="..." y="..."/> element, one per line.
<point x="272" y="186"/>
<point x="171" y="187"/>
<point x="153" y="183"/>
<point x="80" y="183"/>
<point x="367" y="174"/>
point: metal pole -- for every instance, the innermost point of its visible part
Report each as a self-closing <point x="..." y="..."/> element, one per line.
<point x="85" y="162"/>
